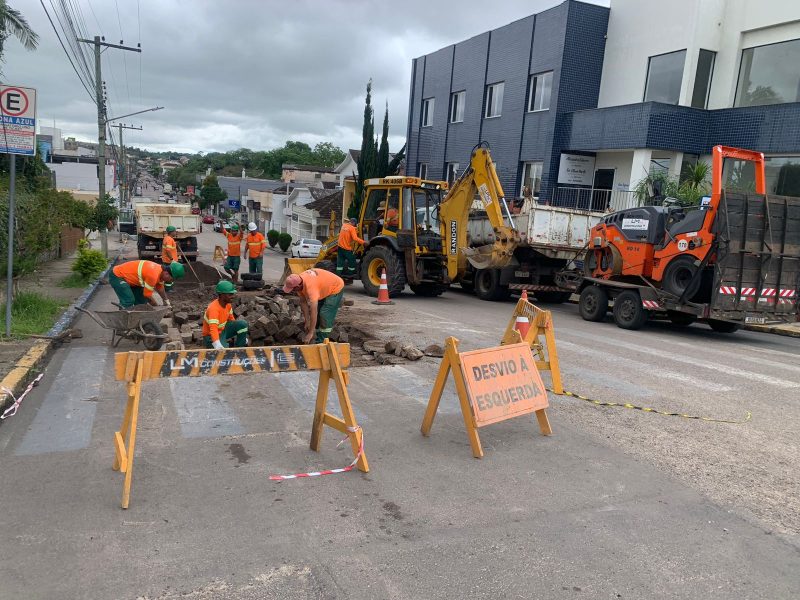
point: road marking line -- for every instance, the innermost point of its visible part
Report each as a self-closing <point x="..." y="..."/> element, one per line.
<point x="302" y="387"/>
<point x="742" y="354"/>
<point x="203" y="412"/>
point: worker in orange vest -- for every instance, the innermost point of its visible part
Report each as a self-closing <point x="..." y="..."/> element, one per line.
<point x="135" y="281"/>
<point x="256" y="244"/>
<point x="320" y="293"/>
<point x="169" y="251"/>
<point x="219" y="324"/>
<point x="234" y="258"/>
<point x="345" y="259"/>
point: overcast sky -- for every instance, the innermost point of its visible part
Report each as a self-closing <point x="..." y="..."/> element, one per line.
<point x="247" y="73"/>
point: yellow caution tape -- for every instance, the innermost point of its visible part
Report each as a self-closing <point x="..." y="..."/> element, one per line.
<point x="651" y="410"/>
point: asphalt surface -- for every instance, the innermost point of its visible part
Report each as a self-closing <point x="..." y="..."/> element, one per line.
<point x="616" y="504"/>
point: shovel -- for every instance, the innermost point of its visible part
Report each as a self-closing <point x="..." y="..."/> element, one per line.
<point x="200" y="281"/>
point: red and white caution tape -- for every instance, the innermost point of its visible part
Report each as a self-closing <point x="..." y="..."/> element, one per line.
<point x="12" y="410"/>
<point x="349" y="467"/>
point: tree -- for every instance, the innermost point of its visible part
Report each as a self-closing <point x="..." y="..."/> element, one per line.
<point x="383" y="150"/>
<point x="104" y="211"/>
<point x="327" y="155"/>
<point x="13" y="23"/>
<point x="368" y="160"/>
<point x="211" y="194"/>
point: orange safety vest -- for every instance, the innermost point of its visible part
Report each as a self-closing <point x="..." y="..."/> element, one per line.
<point x="234" y="244"/>
<point x="141" y="273"/>
<point x="215" y="319"/>
<point x="169" y="251"/>
<point x="256" y="243"/>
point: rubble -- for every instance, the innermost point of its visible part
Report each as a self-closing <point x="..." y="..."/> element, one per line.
<point x="434" y="350"/>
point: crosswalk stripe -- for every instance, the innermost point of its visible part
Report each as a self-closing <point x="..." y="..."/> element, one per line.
<point x="739" y="353"/>
<point x="302" y="387"/>
<point x="419" y="388"/>
<point x="688" y="359"/>
<point x="203" y="411"/>
<point x="64" y="420"/>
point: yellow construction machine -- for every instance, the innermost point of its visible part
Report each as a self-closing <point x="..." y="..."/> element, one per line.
<point x="416" y="230"/>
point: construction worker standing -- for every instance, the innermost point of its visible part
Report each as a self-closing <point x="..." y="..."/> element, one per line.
<point x="345" y="259"/>
<point x="169" y="251"/>
<point x="234" y="258"/>
<point x="321" y="293"/>
<point x="219" y="325"/>
<point x="135" y="281"/>
<point x="256" y="244"/>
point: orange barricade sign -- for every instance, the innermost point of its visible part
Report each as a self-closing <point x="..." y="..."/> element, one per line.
<point x="493" y="384"/>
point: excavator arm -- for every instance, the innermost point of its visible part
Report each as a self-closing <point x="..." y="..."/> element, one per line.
<point x="480" y="179"/>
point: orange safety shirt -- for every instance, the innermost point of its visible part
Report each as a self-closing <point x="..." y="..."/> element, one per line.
<point x="169" y="251"/>
<point x="215" y="319"/>
<point x="234" y="244"/>
<point x="141" y="273"/>
<point x="391" y="217"/>
<point x="319" y="284"/>
<point x="256" y="243"/>
<point x="347" y="236"/>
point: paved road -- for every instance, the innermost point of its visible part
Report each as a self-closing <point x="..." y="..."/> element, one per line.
<point x="617" y="503"/>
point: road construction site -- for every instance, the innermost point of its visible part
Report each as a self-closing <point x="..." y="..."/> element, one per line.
<point x="616" y="503"/>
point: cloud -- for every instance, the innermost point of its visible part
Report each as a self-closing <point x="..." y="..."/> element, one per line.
<point x="247" y="73"/>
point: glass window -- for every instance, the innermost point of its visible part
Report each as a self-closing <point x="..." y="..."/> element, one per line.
<point x="531" y="179"/>
<point x="769" y="74"/>
<point x="426" y="207"/>
<point x="539" y="90"/>
<point x="702" y="78"/>
<point x="422" y="170"/>
<point x="783" y="175"/>
<point x="494" y="100"/>
<point x="427" y="112"/>
<point x="452" y="172"/>
<point x="376" y="198"/>
<point x="457" y="107"/>
<point x="664" y="74"/>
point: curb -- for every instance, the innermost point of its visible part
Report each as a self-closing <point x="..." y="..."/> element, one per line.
<point x="19" y="376"/>
<point x="794" y="332"/>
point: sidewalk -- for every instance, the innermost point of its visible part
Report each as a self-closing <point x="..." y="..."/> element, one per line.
<point x="18" y="358"/>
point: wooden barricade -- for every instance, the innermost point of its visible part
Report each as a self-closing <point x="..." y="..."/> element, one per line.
<point x="492" y="384"/>
<point x="219" y="254"/>
<point x="540" y="337"/>
<point x="329" y="359"/>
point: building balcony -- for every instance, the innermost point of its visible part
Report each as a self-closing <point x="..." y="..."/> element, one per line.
<point x="596" y="200"/>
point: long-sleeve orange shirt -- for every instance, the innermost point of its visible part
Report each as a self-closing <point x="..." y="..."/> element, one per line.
<point x="215" y="319"/>
<point x="169" y="250"/>
<point x="256" y="243"/>
<point x="141" y="273"/>
<point x="347" y="235"/>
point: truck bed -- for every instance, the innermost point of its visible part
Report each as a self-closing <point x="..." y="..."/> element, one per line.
<point x="153" y="218"/>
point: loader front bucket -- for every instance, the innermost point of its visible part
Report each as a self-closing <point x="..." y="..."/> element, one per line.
<point x="497" y="255"/>
<point x="296" y="266"/>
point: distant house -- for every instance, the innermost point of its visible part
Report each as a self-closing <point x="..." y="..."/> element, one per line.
<point x="292" y="173"/>
<point x="313" y="219"/>
<point x="168" y="165"/>
<point x="348" y="167"/>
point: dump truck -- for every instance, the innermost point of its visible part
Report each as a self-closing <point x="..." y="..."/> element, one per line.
<point x="731" y="261"/>
<point x="152" y="219"/>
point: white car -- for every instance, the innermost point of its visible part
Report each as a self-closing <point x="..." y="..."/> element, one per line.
<point x="306" y="248"/>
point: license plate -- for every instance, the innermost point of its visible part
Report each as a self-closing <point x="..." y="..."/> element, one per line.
<point x="521" y="274"/>
<point x="755" y="320"/>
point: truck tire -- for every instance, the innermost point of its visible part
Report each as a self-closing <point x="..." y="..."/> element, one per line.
<point x="724" y="326"/>
<point x="680" y="275"/>
<point x="628" y="310"/>
<point x="429" y="290"/>
<point x="487" y="285"/>
<point x="593" y="304"/>
<point x="376" y="259"/>
<point x="552" y="297"/>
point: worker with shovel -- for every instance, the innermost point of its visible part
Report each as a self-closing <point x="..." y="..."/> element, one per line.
<point x="320" y="294"/>
<point x="135" y="281"/>
<point x="234" y="258"/>
<point x="169" y="251"/>
<point x="219" y="324"/>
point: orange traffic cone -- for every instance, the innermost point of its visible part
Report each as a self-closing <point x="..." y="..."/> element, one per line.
<point x="522" y="324"/>
<point x="383" y="291"/>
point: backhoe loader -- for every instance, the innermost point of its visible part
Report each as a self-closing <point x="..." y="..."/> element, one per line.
<point x="419" y="236"/>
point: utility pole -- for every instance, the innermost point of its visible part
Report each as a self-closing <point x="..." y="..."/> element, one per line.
<point x="102" y="121"/>
<point x="124" y="180"/>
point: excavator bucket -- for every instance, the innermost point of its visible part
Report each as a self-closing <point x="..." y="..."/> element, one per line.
<point x="486" y="257"/>
<point x="296" y="266"/>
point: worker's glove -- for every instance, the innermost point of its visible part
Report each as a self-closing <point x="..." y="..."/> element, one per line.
<point x="167" y="302"/>
<point x="218" y="345"/>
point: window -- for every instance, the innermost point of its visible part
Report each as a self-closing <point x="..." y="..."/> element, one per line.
<point x="494" y="100"/>
<point x="422" y="170"/>
<point x="783" y="175"/>
<point x="664" y="74"/>
<point x="702" y="78"/>
<point x="531" y="179"/>
<point x="457" y="107"/>
<point x="452" y="172"/>
<point x="769" y="75"/>
<point x="427" y="112"/>
<point x="539" y="90"/>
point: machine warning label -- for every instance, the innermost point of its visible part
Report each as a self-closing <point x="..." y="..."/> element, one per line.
<point x="486" y="197"/>
<point x="636" y="224"/>
<point x="454" y="237"/>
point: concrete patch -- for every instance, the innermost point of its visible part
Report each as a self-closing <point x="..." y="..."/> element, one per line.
<point x="203" y="412"/>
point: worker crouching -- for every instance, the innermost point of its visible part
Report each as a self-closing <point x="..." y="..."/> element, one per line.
<point x="320" y="295"/>
<point x="135" y="281"/>
<point x="219" y="325"/>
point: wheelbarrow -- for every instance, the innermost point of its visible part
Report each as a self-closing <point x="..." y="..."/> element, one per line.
<point x="140" y="324"/>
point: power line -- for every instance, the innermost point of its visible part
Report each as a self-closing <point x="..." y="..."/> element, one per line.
<point x="83" y="83"/>
<point x="124" y="60"/>
<point x="63" y="21"/>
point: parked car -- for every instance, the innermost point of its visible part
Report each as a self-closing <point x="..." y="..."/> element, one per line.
<point x="306" y="248"/>
<point x="218" y="225"/>
<point x="196" y="210"/>
<point x="209" y="219"/>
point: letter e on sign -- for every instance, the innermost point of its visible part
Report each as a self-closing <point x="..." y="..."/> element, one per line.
<point x="502" y="383"/>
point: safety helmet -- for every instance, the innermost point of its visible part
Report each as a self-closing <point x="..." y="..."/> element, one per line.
<point x="234" y="227"/>
<point x="177" y="269"/>
<point x="226" y="287"/>
<point x="353" y="220"/>
<point x="251" y="226"/>
<point x="171" y="228"/>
